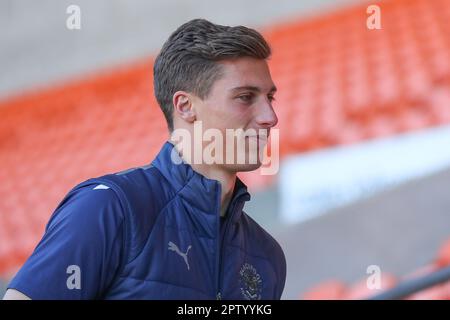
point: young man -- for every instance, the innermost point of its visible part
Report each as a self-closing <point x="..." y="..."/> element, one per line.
<point x="174" y="229"/>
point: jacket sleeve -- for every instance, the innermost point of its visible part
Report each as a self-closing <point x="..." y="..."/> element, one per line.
<point x="281" y="273"/>
<point x="81" y="249"/>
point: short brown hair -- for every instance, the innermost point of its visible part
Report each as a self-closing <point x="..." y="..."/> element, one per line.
<point x="187" y="60"/>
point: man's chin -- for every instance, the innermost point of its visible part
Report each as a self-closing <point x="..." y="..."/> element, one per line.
<point x="243" y="167"/>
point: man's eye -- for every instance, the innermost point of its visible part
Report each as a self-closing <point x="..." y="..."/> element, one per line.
<point x="246" y="97"/>
<point x="271" y="98"/>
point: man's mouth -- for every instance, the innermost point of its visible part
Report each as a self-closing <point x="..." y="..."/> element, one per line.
<point x="260" y="138"/>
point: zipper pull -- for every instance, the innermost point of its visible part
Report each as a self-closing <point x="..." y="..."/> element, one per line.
<point x="219" y="296"/>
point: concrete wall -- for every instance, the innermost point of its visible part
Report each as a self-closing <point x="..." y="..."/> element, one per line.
<point x="37" y="49"/>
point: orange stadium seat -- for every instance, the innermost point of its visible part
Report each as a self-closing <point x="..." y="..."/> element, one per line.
<point x="360" y="289"/>
<point x="328" y="290"/>
<point x="443" y="257"/>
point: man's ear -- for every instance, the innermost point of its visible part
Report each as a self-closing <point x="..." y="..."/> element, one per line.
<point x="183" y="106"/>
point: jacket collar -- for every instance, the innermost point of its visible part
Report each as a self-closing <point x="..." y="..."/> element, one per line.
<point x="196" y="189"/>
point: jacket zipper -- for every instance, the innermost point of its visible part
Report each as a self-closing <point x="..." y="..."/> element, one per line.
<point x="218" y="294"/>
<point x="222" y="241"/>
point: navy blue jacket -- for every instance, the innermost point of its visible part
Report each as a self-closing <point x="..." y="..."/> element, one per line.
<point x="153" y="232"/>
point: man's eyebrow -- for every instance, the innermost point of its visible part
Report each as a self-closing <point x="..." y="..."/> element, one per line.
<point x="253" y="88"/>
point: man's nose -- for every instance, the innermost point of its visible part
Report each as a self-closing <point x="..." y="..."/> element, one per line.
<point x="266" y="116"/>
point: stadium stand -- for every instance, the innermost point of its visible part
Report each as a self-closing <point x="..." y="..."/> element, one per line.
<point x="339" y="83"/>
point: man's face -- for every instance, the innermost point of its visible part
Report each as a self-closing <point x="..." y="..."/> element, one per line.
<point x="240" y="99"/>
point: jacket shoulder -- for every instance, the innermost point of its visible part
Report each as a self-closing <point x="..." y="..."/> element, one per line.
<point x="143" y="192"/>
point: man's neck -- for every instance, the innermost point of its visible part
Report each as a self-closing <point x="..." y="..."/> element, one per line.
<point x="226" y="179"/>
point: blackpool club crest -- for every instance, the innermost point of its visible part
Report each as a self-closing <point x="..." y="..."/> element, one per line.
<point x="250" y="282"/>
